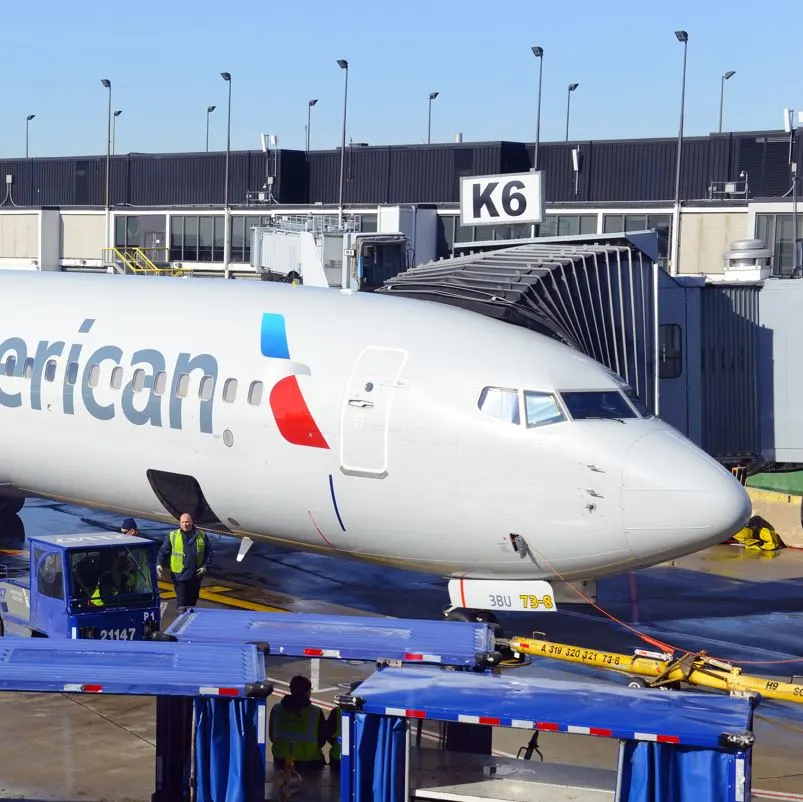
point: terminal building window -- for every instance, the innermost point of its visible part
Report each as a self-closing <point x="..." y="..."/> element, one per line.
<point x="662" y="223"/>
<point x="141" y="231"/>
<point x="196" y="238"/>
<point x="241" y="237"/>
<point x="775" y="231"/>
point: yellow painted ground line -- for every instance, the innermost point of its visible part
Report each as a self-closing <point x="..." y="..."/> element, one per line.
<point x="215" y="593"/>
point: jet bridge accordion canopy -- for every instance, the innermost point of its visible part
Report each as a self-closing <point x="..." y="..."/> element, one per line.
<point x="596" y="294"/>
<point x="454" y="643"/>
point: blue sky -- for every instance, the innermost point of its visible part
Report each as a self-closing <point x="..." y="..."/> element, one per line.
<point x="164" y="60"/>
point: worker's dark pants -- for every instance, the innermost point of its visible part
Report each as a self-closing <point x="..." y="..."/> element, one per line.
<point x="187" y="592"/>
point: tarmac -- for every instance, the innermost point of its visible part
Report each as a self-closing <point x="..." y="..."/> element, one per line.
<point x="736" y="605"/>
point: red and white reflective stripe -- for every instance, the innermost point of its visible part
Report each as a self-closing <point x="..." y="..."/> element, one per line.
<point x="428" y="658"/>
<point x="76" y="687"/>
<point x="406" y="713"/>
<point x="493" y="722"/>
<point x="549" y="726"/>
<point x="661" y="739"/>
<point x="603" y="733"/>
<point x="521" y="724"/>
<point x="218" y="691"/>
<point x="321" y="652"/>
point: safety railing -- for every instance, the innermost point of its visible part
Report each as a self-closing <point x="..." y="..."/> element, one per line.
<point x="141" y="261"/>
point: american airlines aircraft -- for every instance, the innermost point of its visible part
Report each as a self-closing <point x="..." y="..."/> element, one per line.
<point x="386" y="429"/>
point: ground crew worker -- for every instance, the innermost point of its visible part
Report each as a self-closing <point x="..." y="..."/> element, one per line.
<point x="116" y="581"/>
<point x="129" y="527"/>
<point x="187" y="552"/>
<point x="297" y="729"/>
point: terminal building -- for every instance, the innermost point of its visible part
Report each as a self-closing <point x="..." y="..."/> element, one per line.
<point x="70" y="214"/>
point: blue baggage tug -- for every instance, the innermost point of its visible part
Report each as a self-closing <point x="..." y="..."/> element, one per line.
<point x="81" y="586"/>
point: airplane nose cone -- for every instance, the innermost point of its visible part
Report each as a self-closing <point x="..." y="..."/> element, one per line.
<point x="676" y="499"/>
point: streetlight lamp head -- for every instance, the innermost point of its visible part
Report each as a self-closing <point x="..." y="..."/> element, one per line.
<point x="226" y="76"/>
<point x="433" y="95"/>
<point x="538" y="52"/>
<point x="210" y="109"/>
<point x="30" y="117"/>
<point x="729" y="74"/>
<point x="342" y="63"/>
<point x="682" y="36"/>
<point x="572" y="87"/>
<point x="313" y="101"/>
<point x="106" y="82"/>
<point x="118" y="112"/>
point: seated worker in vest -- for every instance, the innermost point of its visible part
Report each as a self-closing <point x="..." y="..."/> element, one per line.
<point x="187" y="552"/>
<point x="117" y="580"/>
<point x="297" y="729"/>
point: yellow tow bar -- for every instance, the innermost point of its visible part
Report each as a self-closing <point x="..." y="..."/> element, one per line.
<point x="664" y="670"/>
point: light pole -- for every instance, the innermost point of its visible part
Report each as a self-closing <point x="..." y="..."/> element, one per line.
<point x="572" y="87"/>
<point x="108" y="84"/>
<point x="209" y="110"/>
<point x="728" y="74"/>
<point x="344" y="65"/>
<point x="226" y="238"/>
<point x="683" y="38"/>
<point x="114" y="127"/>
<point x="310" y="104"/>
<point x="538" y="52"/>
<point x="27" y="123"/>
<point x="432" y="96"/>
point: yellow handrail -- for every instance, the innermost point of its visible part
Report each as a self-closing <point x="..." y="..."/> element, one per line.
<point x="136" y="260"/>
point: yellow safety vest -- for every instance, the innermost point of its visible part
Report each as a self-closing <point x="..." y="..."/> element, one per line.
<point x="177" y="550"/>
<point x="334" y="748"/>
<point x="96" y="598"/>
<point x="295" y="734"/>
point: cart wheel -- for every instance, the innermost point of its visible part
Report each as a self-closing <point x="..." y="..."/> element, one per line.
<point x="635" y="682"/>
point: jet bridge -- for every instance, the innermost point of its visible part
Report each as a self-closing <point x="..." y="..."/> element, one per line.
<point x="689" y="348"/>
<point x="595" y="294"/>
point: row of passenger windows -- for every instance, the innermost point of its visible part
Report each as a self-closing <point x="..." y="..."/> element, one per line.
<point x="159" y="380"/>
<point x="541" y="409"/>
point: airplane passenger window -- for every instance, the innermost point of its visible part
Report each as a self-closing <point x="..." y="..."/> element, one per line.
<point x="72" y="373"/>
<point x="183" y="385"/>
<point x="27" y="368"/>
<point x="541" y="409"/>
<point x="138" y="380"/>
<point x="255" y="394"/>
<point x="94" y="375"/>
<point x="159" y="382"/>
<point x="230" y="391"/>
<point x="205" y="388"/>
<point x="608" y="404"/>
<point x="11" y="364"/>
<point x="50" y="370"/>
<point x="500" y="402"/>
<point x="117" y="377"/>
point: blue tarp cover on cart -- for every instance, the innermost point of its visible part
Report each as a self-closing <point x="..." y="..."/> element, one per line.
<point x="149" y="668"/>
<point x="340" y="636"/>
<point x="679" y="746"/>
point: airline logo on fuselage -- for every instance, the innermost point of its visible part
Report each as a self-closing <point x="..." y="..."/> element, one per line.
<point x="80" y="380"/>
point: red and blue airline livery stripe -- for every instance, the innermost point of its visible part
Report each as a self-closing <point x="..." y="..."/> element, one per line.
<point x="547" y="726"/>
<point x="293" y="418"/>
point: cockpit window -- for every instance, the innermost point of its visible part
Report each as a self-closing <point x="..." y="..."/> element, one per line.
<point x="597" y="404"/>
<point x="500" y="402"/>
<point x="541" y="409"/>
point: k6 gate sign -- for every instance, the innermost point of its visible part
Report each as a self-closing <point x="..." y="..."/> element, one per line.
<point x="507" y="198"/>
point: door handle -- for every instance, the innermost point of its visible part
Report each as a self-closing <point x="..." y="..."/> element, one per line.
<point x="358" y="402"/>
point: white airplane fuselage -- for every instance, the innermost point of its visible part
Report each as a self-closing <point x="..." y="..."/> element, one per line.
<point x="367" y="438"/>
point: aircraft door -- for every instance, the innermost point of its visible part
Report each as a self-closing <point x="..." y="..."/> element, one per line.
<point x="367" y="409"/>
